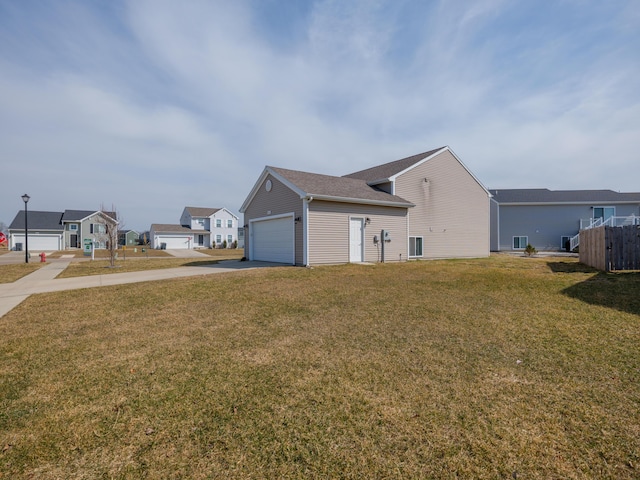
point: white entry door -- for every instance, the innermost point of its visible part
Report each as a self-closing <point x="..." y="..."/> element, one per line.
<point x="356" y="227"/>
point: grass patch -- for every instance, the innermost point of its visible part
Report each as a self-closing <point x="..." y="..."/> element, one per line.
<point x="468" y="368"/>
<point x="12" y="272"/>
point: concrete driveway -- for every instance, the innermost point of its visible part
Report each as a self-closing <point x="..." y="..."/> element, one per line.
<point x="186" y="253"/>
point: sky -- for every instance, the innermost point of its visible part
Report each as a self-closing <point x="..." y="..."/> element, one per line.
<point x="148" y="106"/>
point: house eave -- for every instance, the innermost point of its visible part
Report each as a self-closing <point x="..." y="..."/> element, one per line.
<point x="362" y="201"/>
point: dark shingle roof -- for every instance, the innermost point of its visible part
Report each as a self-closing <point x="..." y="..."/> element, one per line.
<point x="544" y="195"/>
<point x="201" y="211"/>
<point x="77" y="215"/>
<point x="171" y="228"/>
<point x="388" y="170"/>
<point x="318" y="185"/>
<point x="38" y="221"/>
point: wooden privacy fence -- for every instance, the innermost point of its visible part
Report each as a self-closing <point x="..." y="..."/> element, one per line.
<point x="611" y="248"/>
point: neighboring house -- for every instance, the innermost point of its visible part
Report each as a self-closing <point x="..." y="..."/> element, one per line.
<point x="128" y="238"/>
<point x="50" y="231"/>
<point x="199" y="228"/>
<point x="165" y="236"/>
<point x="85" y="225"/>
<point x="429" y="205"/>
<point x="46" y="233"/>
<point x="549" y="219"/>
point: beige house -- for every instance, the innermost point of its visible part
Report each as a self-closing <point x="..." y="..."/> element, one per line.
<point x="425" y="206"/>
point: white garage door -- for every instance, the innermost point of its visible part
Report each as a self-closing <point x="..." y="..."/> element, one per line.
<point x="42" y="243"/>
<point x="174" y="241"/>
<point x="273" y="240"/>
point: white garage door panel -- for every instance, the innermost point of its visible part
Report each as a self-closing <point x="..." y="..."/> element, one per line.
<point x="273" y="240"/>
<point x="174" y="242"/>
<point x="44" y="243"/>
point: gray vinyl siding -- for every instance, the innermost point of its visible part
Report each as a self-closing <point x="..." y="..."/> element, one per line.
<point x="545" y="225"/>
<point x="452" y="208"/>
<point x="329" y="231"/>
<point x="281" y="199"/>
<point x="495" y="226"/>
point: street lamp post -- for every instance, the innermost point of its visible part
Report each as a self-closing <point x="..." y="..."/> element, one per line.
<point x="25" y="199"/>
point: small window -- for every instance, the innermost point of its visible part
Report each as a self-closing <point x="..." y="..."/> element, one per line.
<point x="97" y="228"/>
<point x="604" y="213"/>
<point x="229" y="223"/>
<point x="218" y="223"/>
<point x="200" y="221"/>
<point x="218" y="238"/>
<point x="229" y="238"/>
<point x="520" y="243"/>
<point x="73" y="227"/>
<point x="415" y="246"/>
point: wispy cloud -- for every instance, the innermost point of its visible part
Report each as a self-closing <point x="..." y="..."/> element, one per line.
<point x="154" y="105"/>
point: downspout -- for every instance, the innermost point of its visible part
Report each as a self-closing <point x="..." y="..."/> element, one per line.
<point x="305" y="230"/>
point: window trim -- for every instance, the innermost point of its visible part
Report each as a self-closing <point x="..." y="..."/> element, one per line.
<point x="612" y="207"/>
<point x="414" y="237"/>
<point x="513" y="242"/>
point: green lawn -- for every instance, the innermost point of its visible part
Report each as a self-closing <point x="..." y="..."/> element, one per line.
<point x="493" y="368"/>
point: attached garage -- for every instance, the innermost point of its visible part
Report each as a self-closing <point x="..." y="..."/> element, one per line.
<point x="273" y="239"/>
<point x="43" y="243"/>
<point x="174" y="241"/>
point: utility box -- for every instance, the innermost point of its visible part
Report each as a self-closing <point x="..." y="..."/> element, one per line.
<point x="386" y="236"/>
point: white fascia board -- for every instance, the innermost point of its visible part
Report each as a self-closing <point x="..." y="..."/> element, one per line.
<point x="103" y="215"/>
<point x="269" y="171"/>
<point x="226" y="210"/>
<point x="361" y="201"/>
<point x="393" y="178"/>
<point x="443" y="149"/>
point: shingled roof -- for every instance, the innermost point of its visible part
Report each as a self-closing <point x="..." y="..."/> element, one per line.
<point x="337" y="188"/>
<point x="384" y="172"/>
<point x="544" y="195"/>
<point x="201" y="211"/>
<point x="38" y="220"/>
<point x="172" y="228"/>
<point x="77" y="215"/>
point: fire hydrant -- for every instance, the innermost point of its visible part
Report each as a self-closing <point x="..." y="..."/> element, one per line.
<point x="43" y="257"/>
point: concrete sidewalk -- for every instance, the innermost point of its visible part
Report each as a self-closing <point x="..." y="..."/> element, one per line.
<point x="43" y="280"/>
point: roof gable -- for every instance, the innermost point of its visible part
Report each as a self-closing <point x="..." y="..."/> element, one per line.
<point x="80" y="215"/>
<point x="388" y="171"/>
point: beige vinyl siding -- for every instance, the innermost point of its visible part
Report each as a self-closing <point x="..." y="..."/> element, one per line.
<point x="281" y="199"/>
<point x="329" y="231"/>
<point x="452" y="208"/>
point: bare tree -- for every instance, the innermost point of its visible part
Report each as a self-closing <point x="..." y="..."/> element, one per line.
<point x="108" y="223"/>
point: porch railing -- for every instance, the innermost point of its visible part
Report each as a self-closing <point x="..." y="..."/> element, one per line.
<point x="586" y="224"/>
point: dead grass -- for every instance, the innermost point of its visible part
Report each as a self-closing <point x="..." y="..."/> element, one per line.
<point x="12" y="272"/>
<point x="136" y="264"/>
<point x="487" y="368"/>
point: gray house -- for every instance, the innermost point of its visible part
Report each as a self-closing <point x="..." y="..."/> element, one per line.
<point x="425" y="206"/>
<point x="50" y="231"/>
<point x="549" y="219"/>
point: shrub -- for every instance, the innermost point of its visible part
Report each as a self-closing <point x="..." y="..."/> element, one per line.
<point x="530" y="250"/>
